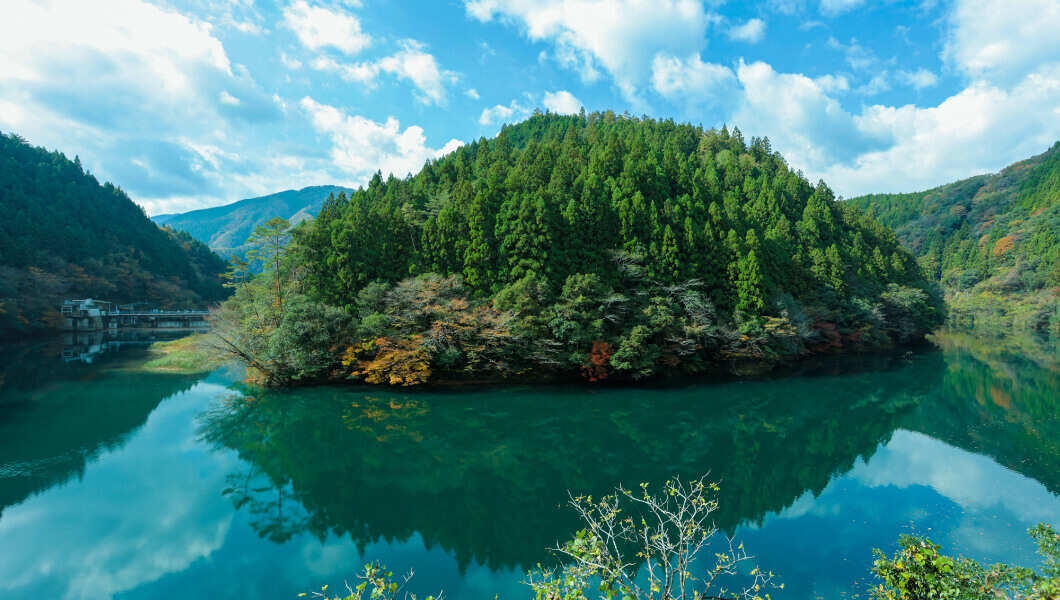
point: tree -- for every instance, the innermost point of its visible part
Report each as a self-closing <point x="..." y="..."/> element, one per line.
<point x="919" y="571"/>
<point x="642" y="546"/>
<point x="270" y="247"/>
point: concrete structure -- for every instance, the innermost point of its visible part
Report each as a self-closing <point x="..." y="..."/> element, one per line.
<point x="100" y="315"/>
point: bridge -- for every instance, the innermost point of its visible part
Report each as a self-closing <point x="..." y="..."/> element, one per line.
<point x="100" y="315"/>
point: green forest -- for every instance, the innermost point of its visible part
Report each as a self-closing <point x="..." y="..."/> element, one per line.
<point x="992" y="242"/>
<point x="66" y="235"/>
<point x="597" y="245"/>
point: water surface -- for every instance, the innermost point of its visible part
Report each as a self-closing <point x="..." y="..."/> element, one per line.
<point x="116" y="483"/>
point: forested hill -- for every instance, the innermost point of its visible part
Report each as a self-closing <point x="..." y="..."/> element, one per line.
<point x="635" y="246"/>
<point x="993" y="241"/>
<point x="225" y="229"/>
<point x="63" y="234"/>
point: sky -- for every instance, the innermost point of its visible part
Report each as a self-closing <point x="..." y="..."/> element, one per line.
<point x="196" y="103"/>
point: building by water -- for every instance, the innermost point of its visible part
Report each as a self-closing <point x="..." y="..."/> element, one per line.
<point x="99" y="315"/>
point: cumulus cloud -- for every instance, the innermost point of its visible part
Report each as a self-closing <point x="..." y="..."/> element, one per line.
<point x="318" y="27"/>
<point x="838" y="7"/>
<point x="1002" y="41"/>
<point x="150" y="83"/>
<point x="500" y="113"/>
<point x="693" y="81"/>
<point x="361" y="146"/>
<point x="880" y="83"/>
<point x="919" y="79"/>
<point x="562" y="102"/>
<point x="832" y="83"/>
<point x="620" y="37"/>
<point x="412" y="63"/>
<point x="753" y="31"/>
<point x="801" y="120"/>
<point x="980" y="129"/>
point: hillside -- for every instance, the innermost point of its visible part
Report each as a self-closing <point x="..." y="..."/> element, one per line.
<point x="226" y="228"/>
<point x="66" y="235"/>
<point x="597" y="244"/>
<point x="992" y="241"/>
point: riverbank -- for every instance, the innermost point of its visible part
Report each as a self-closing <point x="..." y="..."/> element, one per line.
<point x="187" y="355"/>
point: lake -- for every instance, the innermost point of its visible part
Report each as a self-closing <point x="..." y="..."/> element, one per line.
<point x="116" y="483"/>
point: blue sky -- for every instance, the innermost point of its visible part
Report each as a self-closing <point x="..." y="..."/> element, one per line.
<point x="187" y="104"/>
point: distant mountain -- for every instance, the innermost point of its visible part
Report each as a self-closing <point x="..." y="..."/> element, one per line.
<point x="225" y="228"/>
<point x="65" y="235"/>
<point x="992" y="241"/>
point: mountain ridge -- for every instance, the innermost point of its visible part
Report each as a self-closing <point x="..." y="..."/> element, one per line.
<point x="66" y="235"/>
<point x="226" y="228"/>
<point x="992" y="241"/>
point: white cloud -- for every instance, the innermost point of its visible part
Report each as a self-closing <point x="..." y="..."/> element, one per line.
<point x="291" y="63"/>
<point x="562" y="102"/>
<point x="247" y="27"/>
<point x="503" y="114"/>
<point x="421" y="68"/>
<point x="365" y="72"/>
<point x="148" y="80"/>
<point x="1000" y="40"/>
<point x="837" y="7"/>
<point x="802" y="121"/>
<point x="832" y="83"/>
<point x="980" y="129"/>
<point x="919" y="79"/>
<point x="228" y="99"/>
<point x="361" y="146"/>
<point x="411" y="63"/>
<point x="318" y="27"/>
<point x="620" y="37"/>
<point x="857" y="56"/>
<point x="693" y="81"/>
<point x="879" y="83"/>
<point x="471" y="93"/>
<point x="753" y="31"/>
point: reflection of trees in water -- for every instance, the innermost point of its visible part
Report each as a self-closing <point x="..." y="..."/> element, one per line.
<point x="1000" y="398"/>
<point x="273" y="515"/>
<point x="49" y="433"/>
<point x="485" y="473"/>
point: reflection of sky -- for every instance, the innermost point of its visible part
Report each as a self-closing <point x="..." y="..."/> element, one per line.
<point x="148" y="520"/>
<point x="966" y="502"/>
<point x="131" y="518"/>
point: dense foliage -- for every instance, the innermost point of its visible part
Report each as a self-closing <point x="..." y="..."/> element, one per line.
<point x="919" y="571"/>
<point x="226" y="228"/>
<point x="992" y="241"/>
<point x="65" y="235"/>
<point x="599" y="245"/>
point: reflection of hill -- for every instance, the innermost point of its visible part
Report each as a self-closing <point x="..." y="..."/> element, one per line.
<point x="50" y="431"/>
<point x="483" y="473"/>
<point x="1001" y="399"/>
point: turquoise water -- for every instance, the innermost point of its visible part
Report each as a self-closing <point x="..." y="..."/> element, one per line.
<point x="120" y="484"/>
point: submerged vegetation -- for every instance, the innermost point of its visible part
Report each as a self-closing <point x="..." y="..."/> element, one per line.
<point x="992" y="241"/>
<point x="594" y="245"/>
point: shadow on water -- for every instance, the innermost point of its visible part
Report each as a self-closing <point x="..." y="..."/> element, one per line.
<point x="484" y="473"/>
<point x="57" y="415"/>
